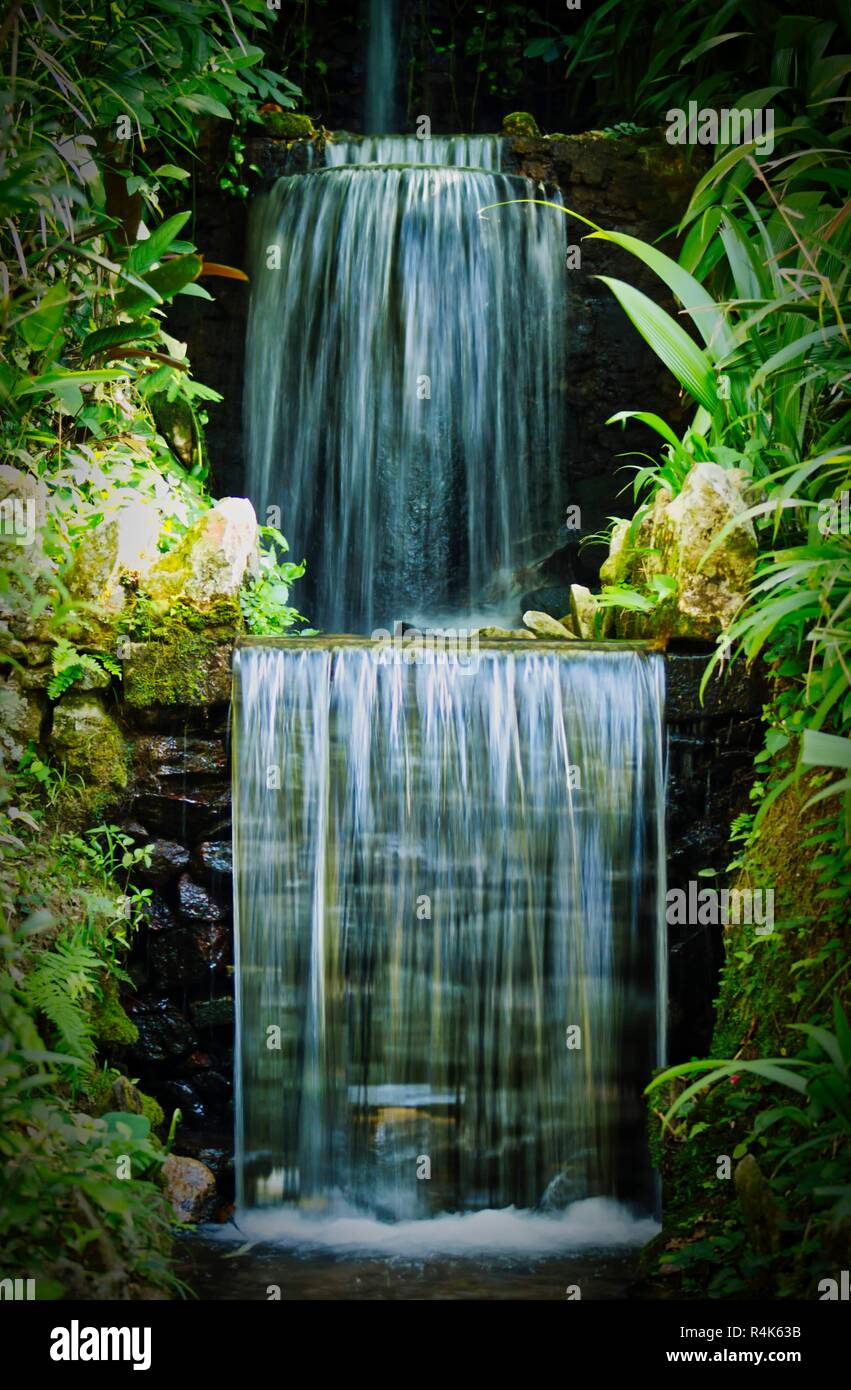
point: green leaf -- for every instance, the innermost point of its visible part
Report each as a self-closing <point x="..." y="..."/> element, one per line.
<point x="120" y="333"/>
<point x="145" y="253"/>
<point x="164" y="283"/>
<point x="688" y="363"/>
<point x="825" y="750"/>
<point x="41" y="327"/>
<point x="171" y="171"/>
<point x="204" y="105"/>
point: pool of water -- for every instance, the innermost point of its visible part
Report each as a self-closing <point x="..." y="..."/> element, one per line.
<point x="592" y="1250"/>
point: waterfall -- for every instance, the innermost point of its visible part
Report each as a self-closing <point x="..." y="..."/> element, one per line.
<point x="403" y="399"/>
<point x="380" y="112"/>
<point x="450" y="942"/>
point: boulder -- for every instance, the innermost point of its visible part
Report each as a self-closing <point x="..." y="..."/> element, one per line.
<point x="94" y="569"/>
<point x="194" y="670"/>
<point x="707" y="597"/>
<point x="506" y="634"/>
<point x="544" y="626"/>
<point x="189" y="1186"/>
<point x="21" y="714"/>
<point x="210" y="563"/>
<point x="86" y="738"/>
<point x="613" y="569"/>
<point x="194" y="902"/>
<point x="583" y="612"/>
<point x="166" y="859"/>
<point x="672" y="539"/>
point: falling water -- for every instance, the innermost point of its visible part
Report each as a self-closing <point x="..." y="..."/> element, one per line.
<point x="443" y="871"/>
<point x="405" y="355"/>
<point x="380" y="112"/>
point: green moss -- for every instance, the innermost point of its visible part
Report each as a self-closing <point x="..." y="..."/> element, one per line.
<point x="153" y="1111"/>
<point x="111" y="1027"/>
<point x="288" y="125"/>
<point x="520" y="123"/>
<point x="192" y="669"/>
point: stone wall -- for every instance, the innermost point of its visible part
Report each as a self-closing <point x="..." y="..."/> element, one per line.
<point x="178" y="801"/>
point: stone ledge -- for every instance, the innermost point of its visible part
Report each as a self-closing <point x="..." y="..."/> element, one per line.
<point x="194" y="671"/>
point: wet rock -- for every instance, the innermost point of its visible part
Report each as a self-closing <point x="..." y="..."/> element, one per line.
<point x="125" y="544"/>
<point x="212" y="860"/>
<point x="187" y="818"/>
<point x="194" y="671"/>
<point x="164" y="1034"/>
<point x="168" y="858"/>
<point x="195" y="903"/>
<point x="159" y="916"/>
<point x="182" y="1096"/>
<point x="212" y="560"/>
<point x="214" y="1088"/>
<point x="709" y="590"/>
<point x="163" y="757"/>
<point x="554" y="600"/>
<point x="738" y="691"/>
<point x="190" y="1187"/>
<point x="31" y="494"/>
<point x="213" y="1013"/>
<point x="187" y="955"/>
<point x="23" y="504"/>
<point x="583" y="612"/>
<point x="546" y="627"/>
<point x="88" y="741"/>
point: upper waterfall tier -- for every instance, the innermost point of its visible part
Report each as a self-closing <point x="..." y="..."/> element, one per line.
<point x="403" y="398"/>
<point x="449" y="151"/>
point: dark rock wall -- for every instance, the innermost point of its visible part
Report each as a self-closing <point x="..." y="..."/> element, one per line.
<point x="179" y="803"/>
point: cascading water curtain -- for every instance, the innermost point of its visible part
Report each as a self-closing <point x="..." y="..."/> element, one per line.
<point x="450" y="937"/>
<point x="404" y="373"/>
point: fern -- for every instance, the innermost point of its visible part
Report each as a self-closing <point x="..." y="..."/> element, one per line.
<point x="69" y="666"/>
<point x="60" y="986"/>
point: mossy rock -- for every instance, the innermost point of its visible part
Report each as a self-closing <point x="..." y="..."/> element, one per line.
<point x="287" y="125"/>
<point x="520" y="123"/>
<point x="111" y="1026"/>
<point x="191" y="670"/>
<point x="87" y="740"/>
